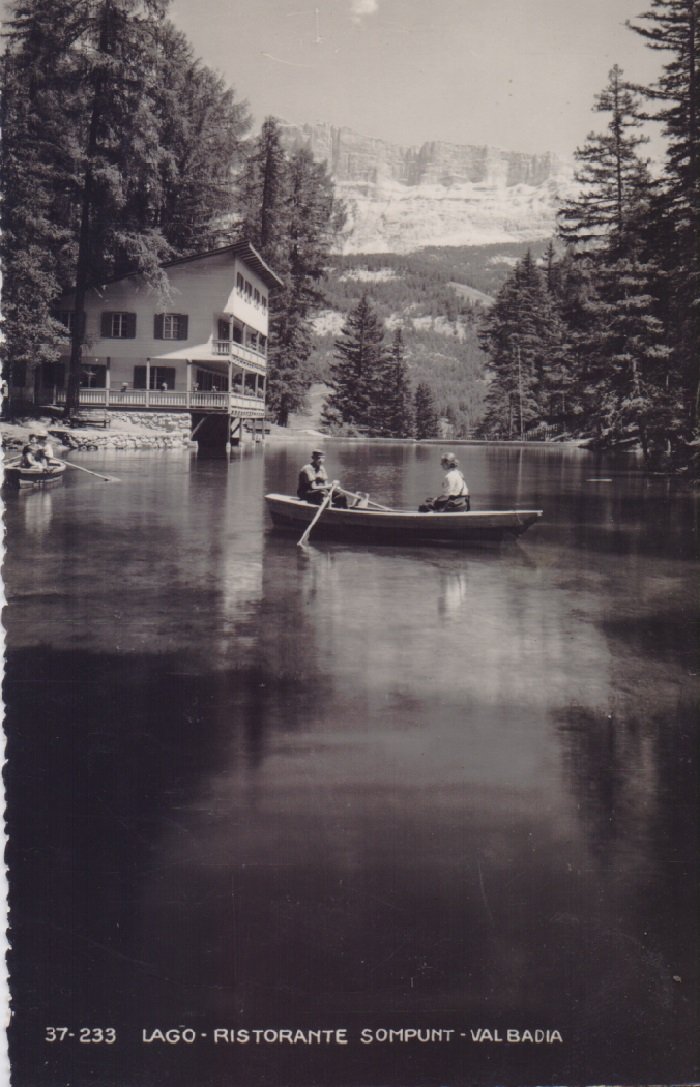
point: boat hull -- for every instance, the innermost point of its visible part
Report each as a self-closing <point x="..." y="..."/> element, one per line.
<point x="17" y="478"/>
<point x="401" y="527"/>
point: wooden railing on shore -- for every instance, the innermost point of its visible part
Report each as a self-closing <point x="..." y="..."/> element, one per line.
<point x="247" y="405"/>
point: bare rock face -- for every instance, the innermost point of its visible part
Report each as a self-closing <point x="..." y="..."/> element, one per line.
<point x="402" y="198"/>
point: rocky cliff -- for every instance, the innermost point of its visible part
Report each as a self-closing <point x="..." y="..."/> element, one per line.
<point x="401" y="198"/>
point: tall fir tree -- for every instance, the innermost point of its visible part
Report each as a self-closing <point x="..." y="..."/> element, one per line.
<point x="612" y="175"/>
<point x="392" y="415"/>
<point x="426" y="416"/>
<point x="358" y="369"/>
<point x="290" y="212"/>
<point x="673" y="28"/>
<point x="519" y="334"/>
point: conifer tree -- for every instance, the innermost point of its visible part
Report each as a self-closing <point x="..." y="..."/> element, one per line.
<point x="202" y="126"/>
<point x="290" y="212"/>
<point x="357" y="371"/>
<point x="612" y="175"/>
<point x="393" y="407"/>
<point x="426" y="425"/>
<point x="519" y="334"/>
<point x="673" y="27"/>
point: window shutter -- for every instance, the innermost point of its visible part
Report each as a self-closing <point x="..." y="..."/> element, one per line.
<point x="81" y="322"/>
<point x="129" y="326"/>
<point x="158" y="326"/>
<point x="106" y="325"/>
<point x="182" y="326"/>
<point x="139" y="377"/>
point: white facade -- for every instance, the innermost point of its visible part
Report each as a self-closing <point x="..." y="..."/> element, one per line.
<point x="206" y="338"/>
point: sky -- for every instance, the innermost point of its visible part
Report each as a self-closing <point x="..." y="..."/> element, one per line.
<point x="516" y="74"/>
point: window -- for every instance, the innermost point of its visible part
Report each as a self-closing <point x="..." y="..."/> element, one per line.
<point x="256" y="296"/>
<point x="223" y="329"/>
<point x="263" y="301"/>
<point x="239" y="282"/>
<point x="160" y="377"/>
<point x="118" y="326"/>
<point x="248" y="290"/>
<point x="262" y="344"/>
<point x="170" y="326"/>
<point x="237" y="333"/>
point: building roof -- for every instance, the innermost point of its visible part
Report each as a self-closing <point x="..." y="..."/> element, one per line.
<point x="243" y="249"/>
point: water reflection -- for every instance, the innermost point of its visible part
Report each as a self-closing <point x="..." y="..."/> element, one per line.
<point x="347" y="785"/>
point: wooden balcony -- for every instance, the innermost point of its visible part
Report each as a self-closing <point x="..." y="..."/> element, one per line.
<point x="244" y="405"/>
<point x="245" y="356"/>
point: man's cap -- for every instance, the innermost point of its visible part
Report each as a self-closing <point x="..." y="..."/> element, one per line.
<point x="40" y="434"/>
<point x="448" y="458"/>
<point x="317" y="453"/>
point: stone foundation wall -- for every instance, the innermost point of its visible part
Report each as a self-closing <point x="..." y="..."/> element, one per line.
<point x="94" y="439"/>
<point x="170" y="423"/>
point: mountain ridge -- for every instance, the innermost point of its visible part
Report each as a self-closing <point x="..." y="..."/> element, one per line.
<point x="400" y="199"/>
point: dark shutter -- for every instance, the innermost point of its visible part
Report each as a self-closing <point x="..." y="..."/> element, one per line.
<point x="158" y="326"/>
<point x="80" y="318"/>
<point x="129" y="326"/>
<point x="182" y="323"/>
<point x="139" y="377"/>
<point x="106" y="325"/>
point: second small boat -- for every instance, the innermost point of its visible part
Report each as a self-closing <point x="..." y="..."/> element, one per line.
<point x="18" y="478"/>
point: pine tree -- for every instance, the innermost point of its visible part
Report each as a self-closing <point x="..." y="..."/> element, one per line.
<point x="425" y="412"/>
<point x="519" y="334"/>
<point x="201" y="130"/>
<point x="88" y="71"/>
<point x="33" y="233"/>
<point x="290" y="212"/>
<point x="612" y="175"/>
<point x="358" y="369"/>
<point x="393" y="406"/>
<point x="673" y="27"/>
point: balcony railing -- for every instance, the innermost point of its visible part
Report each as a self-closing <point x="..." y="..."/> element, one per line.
<point x="254" y="360"/>
<point x="252" y="405"/>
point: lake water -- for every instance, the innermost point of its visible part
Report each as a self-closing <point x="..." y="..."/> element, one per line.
<point x="260" y="788"/>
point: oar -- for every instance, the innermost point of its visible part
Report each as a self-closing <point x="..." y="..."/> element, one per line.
<point x="107" y="479"/>
<point x="375" y="505"/>
<point x="304" y="538"/>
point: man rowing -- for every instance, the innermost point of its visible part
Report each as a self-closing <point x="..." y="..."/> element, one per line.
<point x="313" y="482"/>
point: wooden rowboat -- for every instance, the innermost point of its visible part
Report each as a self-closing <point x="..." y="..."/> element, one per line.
<point x="18" y="478"/>
<point x="400" y="527"/>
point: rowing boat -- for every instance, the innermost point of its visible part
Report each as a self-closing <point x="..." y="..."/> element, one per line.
<point x="401" y="527"/>
<point x="18" y="478"/>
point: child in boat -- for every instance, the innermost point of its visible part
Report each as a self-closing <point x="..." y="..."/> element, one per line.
<point x="44" y="452"/>
<point x="28" y="458"/>
<point x="455" y="493"/>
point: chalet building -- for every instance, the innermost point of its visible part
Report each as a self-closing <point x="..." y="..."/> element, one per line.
<point x="203" y="352"/>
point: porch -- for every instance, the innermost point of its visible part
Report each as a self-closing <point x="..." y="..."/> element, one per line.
<point x="241" y="405"/>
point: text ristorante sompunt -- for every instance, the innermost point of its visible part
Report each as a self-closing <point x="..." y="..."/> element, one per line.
<point x="341" y="1036"/>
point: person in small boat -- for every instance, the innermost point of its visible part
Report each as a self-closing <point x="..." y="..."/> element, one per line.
<point x="28" y="458"/>
<point x="313" y="483"/>
<point x="44" y="450"/>
<point x="455" y="493"/>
